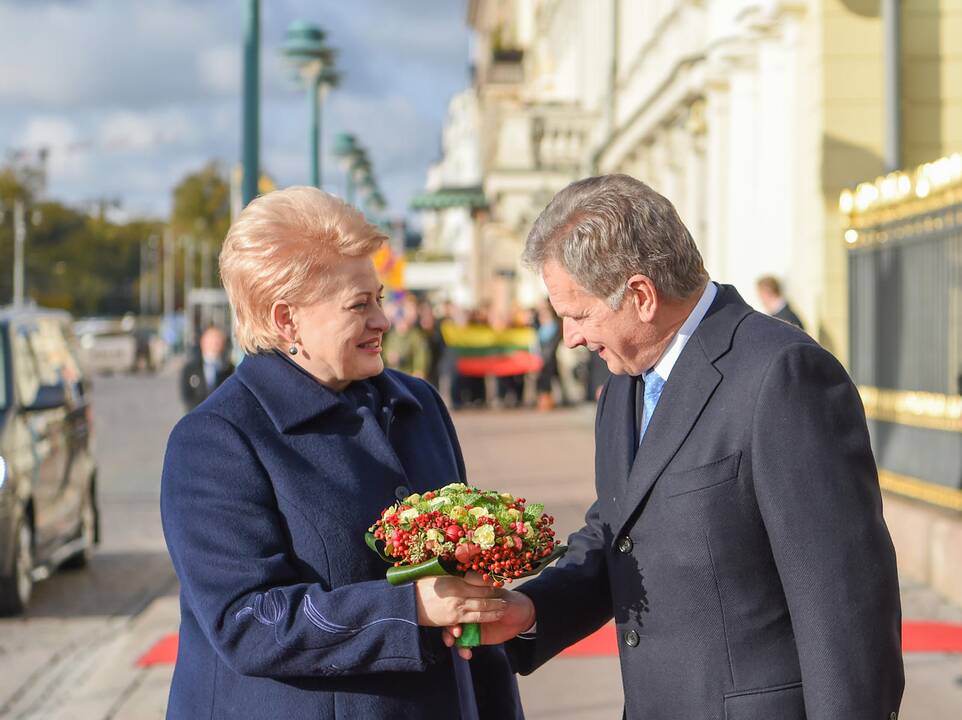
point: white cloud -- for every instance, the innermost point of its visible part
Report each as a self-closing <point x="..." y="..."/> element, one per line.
<point x="220" y="69"/>
<point x="127" y="130"/>
<point x="68" y="155"/>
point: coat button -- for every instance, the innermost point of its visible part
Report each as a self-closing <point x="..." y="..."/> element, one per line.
<point x="401" y="492"/>
<point x="631" y="638"/>
<point x="893" y="716"/>
<point x="625" y="545"/>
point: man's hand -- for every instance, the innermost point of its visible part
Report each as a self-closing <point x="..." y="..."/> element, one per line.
<point x="519" y="615"/>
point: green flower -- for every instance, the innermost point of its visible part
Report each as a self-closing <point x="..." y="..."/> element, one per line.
<point x="435" y="534"/>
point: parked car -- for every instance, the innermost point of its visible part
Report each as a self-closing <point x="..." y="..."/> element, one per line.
<point x="49" y="515"/>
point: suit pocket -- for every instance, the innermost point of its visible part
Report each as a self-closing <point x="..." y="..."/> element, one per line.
<point x="682" y="482"/>
<point x="780" y="702"/>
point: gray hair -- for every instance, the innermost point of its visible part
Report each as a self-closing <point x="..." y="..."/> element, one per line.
<point x="602" y="230"/>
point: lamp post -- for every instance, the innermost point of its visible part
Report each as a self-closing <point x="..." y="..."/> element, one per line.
<point x="250" y="113"/>
<point x="304" y="47"/>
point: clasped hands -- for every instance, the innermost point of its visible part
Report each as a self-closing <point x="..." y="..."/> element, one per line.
<point x="448" y="601"/>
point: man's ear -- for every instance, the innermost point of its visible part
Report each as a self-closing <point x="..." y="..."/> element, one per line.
<point x="641" y="291"/>
<point x="282" y="317"/>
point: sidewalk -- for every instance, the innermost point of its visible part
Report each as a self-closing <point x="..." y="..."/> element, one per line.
<point x="548" y="457"/>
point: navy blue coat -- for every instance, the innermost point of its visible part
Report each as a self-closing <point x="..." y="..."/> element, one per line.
<point x="741" y="550"/>
<point x="268" y="488"/>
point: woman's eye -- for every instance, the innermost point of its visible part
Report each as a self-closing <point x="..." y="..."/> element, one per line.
<point x="359" y="306"/>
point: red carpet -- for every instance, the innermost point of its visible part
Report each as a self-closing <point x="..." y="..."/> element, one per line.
<point x="917" y="637"/>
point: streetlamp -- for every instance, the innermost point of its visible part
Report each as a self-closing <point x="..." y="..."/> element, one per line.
<point x="353" y="161"/>
<point x="250" y="107"/>
<point x="304" y="47"/>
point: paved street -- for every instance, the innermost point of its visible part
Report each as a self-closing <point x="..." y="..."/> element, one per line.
<point x="74" y="655"/>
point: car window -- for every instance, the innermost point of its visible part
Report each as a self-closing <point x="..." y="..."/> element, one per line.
<point x="26" y="379"/>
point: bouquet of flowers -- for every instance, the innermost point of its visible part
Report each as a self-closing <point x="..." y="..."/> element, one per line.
<point x="460" y="528"/>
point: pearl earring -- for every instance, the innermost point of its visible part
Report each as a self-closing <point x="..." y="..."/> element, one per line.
<point x="292" y="349"/>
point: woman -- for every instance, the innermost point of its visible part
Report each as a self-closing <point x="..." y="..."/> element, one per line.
<point x="549" y="338"/>
<point x="270" y="484"/>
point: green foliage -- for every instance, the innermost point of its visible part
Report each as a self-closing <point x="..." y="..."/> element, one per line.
<point x="202" y="206"/>
<point x="85" y="263"/>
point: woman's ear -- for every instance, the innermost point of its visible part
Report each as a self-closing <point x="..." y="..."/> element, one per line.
<point x="282" y="316"/>
<point x="641" y="290"/>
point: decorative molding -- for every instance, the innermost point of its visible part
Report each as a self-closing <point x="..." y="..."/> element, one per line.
<point x="932" y="411"/>
<point x="907" y="486"/>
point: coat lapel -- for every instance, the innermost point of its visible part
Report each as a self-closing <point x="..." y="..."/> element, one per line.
<point x="689" y="388"/>
<point x="621" y="442"/>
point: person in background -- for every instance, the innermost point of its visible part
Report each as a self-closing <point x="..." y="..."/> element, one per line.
<point x="207" y="370"/>
<point x="549" y="337"/>
<point x="405" y="347"/>
<point x="770" y="293"/>
<point x="431" y="329"/>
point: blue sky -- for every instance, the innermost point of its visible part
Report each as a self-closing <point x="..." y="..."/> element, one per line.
<point x="130" y="95"/>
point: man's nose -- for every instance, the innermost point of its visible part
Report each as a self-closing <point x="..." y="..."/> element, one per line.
<point x="571" y="334"/>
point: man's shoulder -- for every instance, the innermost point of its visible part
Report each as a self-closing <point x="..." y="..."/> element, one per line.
<point x="759" y="338"/>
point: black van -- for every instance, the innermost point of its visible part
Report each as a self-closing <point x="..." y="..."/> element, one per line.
<point x="48" y="501"/>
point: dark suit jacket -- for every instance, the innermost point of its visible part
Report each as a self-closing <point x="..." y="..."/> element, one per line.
<point x="193" y="381"/>
<point x="268" y="488"/>
<point x="742" y="552"/>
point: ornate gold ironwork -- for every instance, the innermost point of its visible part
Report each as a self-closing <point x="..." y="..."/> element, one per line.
<point x="933" y="411"/>
<point x="927" y="189"/>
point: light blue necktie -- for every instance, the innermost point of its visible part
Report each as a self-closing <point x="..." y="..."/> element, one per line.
<point x="654" y="384"/>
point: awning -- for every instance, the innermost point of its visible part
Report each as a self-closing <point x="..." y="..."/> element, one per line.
<point x="469" y="197"/>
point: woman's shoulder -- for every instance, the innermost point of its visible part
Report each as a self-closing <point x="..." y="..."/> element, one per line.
<point x="420" y="389"/>
<point x="230" y="411"/>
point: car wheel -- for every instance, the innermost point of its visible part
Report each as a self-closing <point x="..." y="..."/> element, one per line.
<point x="15" y="590"/>
<point x="88" y="533"/>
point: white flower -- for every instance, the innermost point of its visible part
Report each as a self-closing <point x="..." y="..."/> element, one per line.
<point x="409" y="515"/>
<point x="437" y="502"/>
<point x="484" y="536"/>
<point x="478" y="512"/>
<point x="454" y="487"/>
<point x="435" y="534"/>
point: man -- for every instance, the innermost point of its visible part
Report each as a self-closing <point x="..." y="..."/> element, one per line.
<point x="206" y="371"/>
<point x="737" y="538"/>
<point x="770" y="293"/>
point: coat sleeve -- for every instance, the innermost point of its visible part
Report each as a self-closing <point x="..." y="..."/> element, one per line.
<point x="229" y="547"/>
<point x="572" y="599"/>
<point x="817" y="489"/>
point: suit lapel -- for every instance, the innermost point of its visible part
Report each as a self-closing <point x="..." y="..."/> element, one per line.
<point x="689" y="387"/>
<point x="621" y="441"/>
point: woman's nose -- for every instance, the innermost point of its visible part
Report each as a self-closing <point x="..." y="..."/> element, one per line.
<point x="380" y="321"/>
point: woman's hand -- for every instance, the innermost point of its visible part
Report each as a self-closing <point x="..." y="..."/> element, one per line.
<point x="445" y="601"/>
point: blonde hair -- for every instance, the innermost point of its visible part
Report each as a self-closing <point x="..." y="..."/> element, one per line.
<point x="279" y="248"/>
